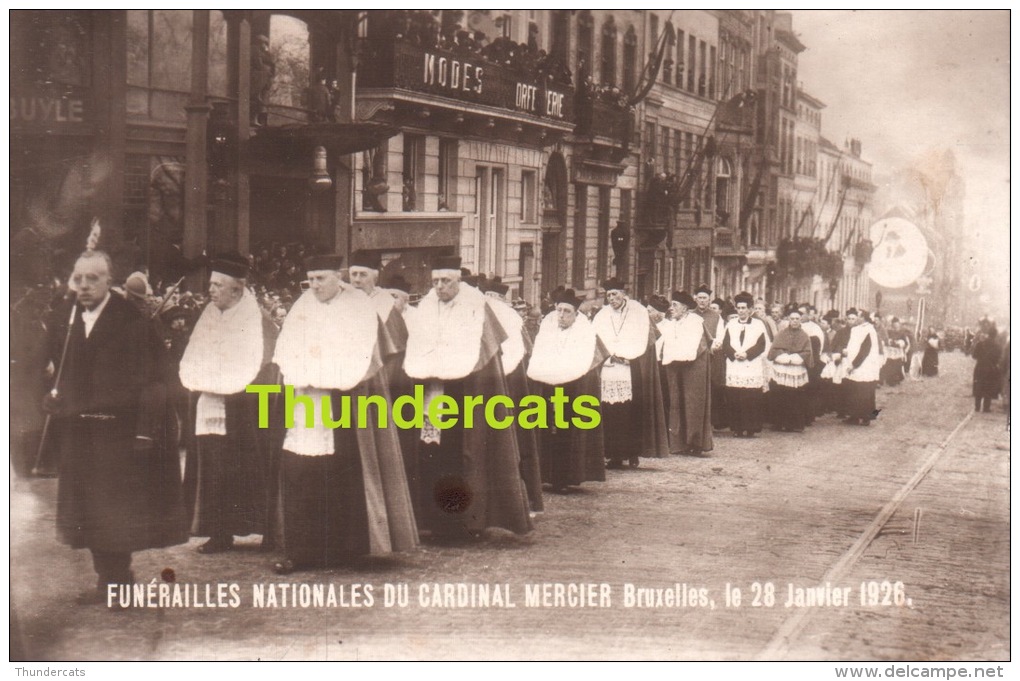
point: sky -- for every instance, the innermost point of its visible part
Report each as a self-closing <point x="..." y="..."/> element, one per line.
<point x="904" y="82"/>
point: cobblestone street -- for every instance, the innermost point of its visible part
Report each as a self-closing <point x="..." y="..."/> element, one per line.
<point x="772" y="517"/>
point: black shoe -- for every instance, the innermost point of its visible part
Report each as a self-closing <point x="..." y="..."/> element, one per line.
<point x="615" y="464"/>
<point x="91" y="597"/>
<point x="634" y="462"/>
<point x="284" y="567"/>
<point x="97" y="596"/>
<point x="217" y="545"/>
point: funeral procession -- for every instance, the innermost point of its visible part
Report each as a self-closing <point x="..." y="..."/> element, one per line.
<point x="509" y="335"/>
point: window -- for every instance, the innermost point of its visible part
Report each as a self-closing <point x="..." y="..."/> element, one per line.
<point x="529" y="198"/>
<point x="662" y="160"/>
<point x="373" y="179"/>
<point x="702" y="69"/>
<point x="585" y="38"/>
<point x="577" y="278"/>
<point x="692" y="56"/>
<point x="667" y="60"/>
<point x="711" y="73"/>
<point x="608" y="71"/>
<point x="691" y="152"/>
<point x="217" y="54"/>
<point x="560" y="33"/>
<point x="677" y="153"/>
<point x="447" y="174"/>
<point x="724" y="69"/>
<point x="413" y="176"/>
<point x="708" y="194"/>
<point x="158" y="63"/>
<point x="648" y="143"/>
<point x="742" y="59"/>
<point x="679" y="58"/>
<point x="629" y="60"/>
<point x="723" y="175"/>
<point x="489" y="212"/>
<point x="289" y="44"/>
<point x="602" y="247"/>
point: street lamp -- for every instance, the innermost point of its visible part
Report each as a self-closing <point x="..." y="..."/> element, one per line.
<point x="320" y="179"/>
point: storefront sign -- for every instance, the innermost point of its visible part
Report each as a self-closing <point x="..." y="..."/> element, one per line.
<point x="593" y="172"/>
<point x="466" y="78"/>
<point x="531" y="99"/>
<point x="452" y="73"/>
<point x="43" y="110"/>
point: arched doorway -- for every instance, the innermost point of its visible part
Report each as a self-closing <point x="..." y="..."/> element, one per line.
<point x="554" y="217"/>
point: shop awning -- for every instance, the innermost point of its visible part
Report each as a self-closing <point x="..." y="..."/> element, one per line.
<point x="296" y="142"/>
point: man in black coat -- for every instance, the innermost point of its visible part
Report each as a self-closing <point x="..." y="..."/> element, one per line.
<point x="119" y="488"/>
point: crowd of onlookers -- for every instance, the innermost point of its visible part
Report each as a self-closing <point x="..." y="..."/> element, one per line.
<point x="424" y="29"/>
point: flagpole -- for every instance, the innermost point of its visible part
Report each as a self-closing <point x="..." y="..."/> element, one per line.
<point x="54" y="394"/>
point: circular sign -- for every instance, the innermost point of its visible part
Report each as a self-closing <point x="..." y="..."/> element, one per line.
<point x="900" y="253"/>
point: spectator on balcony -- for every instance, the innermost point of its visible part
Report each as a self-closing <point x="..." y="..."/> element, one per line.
<point x="263" y="70"/>
<point x="584" y="99"/>
<point x="467" y="45"/>
<point x="424" y="29"/>
<point x="320" y="103"/>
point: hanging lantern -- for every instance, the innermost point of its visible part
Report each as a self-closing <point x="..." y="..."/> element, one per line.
<point x="320" y="179"/>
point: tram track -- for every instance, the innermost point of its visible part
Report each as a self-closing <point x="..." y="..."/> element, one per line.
<point x="794" y="626"/>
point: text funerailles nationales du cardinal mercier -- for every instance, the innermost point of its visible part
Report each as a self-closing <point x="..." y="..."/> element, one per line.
<point x="443" y="411"/>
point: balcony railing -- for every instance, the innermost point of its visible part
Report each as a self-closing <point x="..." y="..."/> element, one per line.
<point x="606" y="120"/>
<point x="464" y="78"/>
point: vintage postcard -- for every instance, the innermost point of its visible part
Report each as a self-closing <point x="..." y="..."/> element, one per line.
<point x="661" y="335"/>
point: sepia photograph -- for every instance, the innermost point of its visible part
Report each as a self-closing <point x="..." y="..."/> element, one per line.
<point x="510" y="335"/>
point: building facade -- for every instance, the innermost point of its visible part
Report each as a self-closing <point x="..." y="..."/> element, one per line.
<point x="502" y="136"/>
<point x="513" y="147"/>
<point x="186" y="132"/>
<point x="832" y="210"/>
<point x="676" y="211"/>
<point x="741" y="154"/>
<point x="547" y="147"/>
